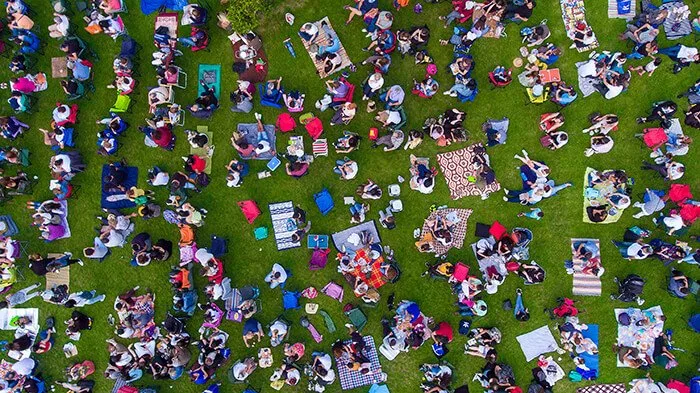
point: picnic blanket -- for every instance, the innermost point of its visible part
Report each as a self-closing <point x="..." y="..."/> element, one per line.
<point x="283" y="225"/>
<point x="634" y="336"/>
<point x="64" y="221"/>
<point x="585" y="284"/>
<point x="354" y="379"/>
<point x="594" y="195"/>
<point x="585" y="83"/>
<point x="210" y="75"/>
<point x="321" y="40"/>
<point x="149" y="6"/>
<point x="553" y="371"/>
<point x="603" y="388"/>
<point x="59" y="277"/>
<point x="496" y="28"/>
<point x="250" y="133"/>
<point x="461" y="178"/>
<point x="573" y="12"/>
<point x="203" y="152"/>
<point x="168" y="20"/>
<point x="625" y="9"/>
<point x="457" y="216"/>
<point x="591" y="361"/>
<point x="11" y="228"/>
<point x="116" y="198"/>
<point x="251" y="74"/>
<point x="343" y="238"/>
<point x="8" y="314"/>
<point x="498" y="126"/>
<point x="537" y="342"/>
<point x="677" y="24"/>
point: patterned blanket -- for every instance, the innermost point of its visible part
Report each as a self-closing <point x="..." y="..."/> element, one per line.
<point x="573" y="12"/>
<point x="462" y="179"/>
<point x="322" y="39"/>
<point x="458" y="218"/>
<point x="624" y="9"/>
<point x="639" y="337"/>
<point x="283" y="225"/>
<point x="354" y="379"/>
<point x="606" y="388"/>
<point x="677" y="24"/>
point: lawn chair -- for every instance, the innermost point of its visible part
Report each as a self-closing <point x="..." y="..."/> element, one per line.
<point x="290" y="300"/>
<point x="542" y="98"/>
<point x="181" y="79"/>
<point x="284" y="321"/>
<point x="121" y="105"/>
<point x="357" y="318"/>
<point x="330" y="325"/>
<point x="320" y="147"/>
<point x="402" y="123"/>
<point x="324" y="201"/>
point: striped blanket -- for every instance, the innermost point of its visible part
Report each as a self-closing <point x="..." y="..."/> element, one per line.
<point x="283" y="225"/>
<point x="585" y="283"/>
<point x="677" y="24"/>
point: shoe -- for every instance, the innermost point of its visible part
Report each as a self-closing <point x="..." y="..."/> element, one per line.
<point x="505" y="199"/>
<point x="80" y="262"/>
<point x="258" y="116"/>
<point x="518" y="291"/>
<point x="640" y="120"/>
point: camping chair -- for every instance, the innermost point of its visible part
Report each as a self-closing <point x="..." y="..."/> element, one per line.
<point x="357" y="318"/>
<point x="84" y="88"/>
<point x="320" y="147"/>
<point x="330" y="325"/>
<point x="496" y="83"/>
<point x="402" y="123"/>
<point x="324" y="201"/>
<point x="181" y="79"/>
<point x="121" y="105"/>
<point x="84" y="47"/>
<point x="273" y="101"/>
<point x="538" y="99"/>
<point x="337" y="101"/>
<point x="290" y="300"/>
<point x="285" y="321"/>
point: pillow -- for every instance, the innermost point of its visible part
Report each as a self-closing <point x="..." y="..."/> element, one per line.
<point x="497" y="230"/>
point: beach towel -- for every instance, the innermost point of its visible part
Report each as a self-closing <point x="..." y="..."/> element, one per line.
<point x="350" y="379"/>
<point x="591" y="361"/>
<point x="59" y="277"/>
<point x="537" y="342"/>
<point x="343" y="238"/>
<point x="203" y="152"/>
<point x="625" y="9"/>
<point x="461" y="178"/>
<point x="11" y="228"/>
<point x="458" y="216"/>
<point x="594" y="195"/>
<point x="585" y="284"/>
<point x="573" y="12"/>
<point x="634" y="336"/>
<point x="210" y="74"/>
<point x="322" y="40"/>
<point x="8" y="314"/>
<point x="116" y="198"/>
<point x="604" y="388"/>
<point x="677" y="24"/>
<point x="250" y="210"/>
<point x="150" y="6"/>
<point x="283" y="225"/>
<point x="169" y="21"/>
<point x="250" y="133"/>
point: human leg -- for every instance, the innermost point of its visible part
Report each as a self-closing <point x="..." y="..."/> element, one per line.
<point x="519" y="306"/>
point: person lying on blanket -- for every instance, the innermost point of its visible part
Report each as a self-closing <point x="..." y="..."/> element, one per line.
<point x="206" y="103"/>
<point x="583" y="36"/>
<point x="333" y="43"/>
<point x="308" y="32"/>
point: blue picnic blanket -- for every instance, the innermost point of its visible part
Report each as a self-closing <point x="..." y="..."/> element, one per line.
<point x="591" y="361"/>
<point x="150" y="6"/>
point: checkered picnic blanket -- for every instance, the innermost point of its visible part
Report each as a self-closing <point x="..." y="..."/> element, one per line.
<point x="458" y="233"/>
<point x="461" y="178"/>
<point x="353" y="379"/>
<point x="322" y="40"/>
<point x="606" y="388"/>
<point x="376" y="278"/>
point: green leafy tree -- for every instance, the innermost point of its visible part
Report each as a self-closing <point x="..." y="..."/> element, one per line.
<point x="245" y="15"/>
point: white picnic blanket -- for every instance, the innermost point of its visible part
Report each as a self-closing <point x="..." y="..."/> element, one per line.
<point x="537" y="342"/>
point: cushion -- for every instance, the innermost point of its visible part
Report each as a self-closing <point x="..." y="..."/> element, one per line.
<point x="461" y="272"/>
<point x="285" y="122"/>
<point x="497" y="230"/>
<point x="250" y="210"/>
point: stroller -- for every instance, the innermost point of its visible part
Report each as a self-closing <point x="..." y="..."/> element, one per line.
<point x="630" y="289"/>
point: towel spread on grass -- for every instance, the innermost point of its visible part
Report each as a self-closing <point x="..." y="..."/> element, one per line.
<point x="203" y="152"/>
<point x="625" y="9"/>
<point x="573" y="12"/>
<point x="346" y="239"/>
<point x="210" y="75"/>
<point x="168" y="20"/>
<point x="8" y="314"/>
<point x="461" y="178"/>
<point x="586" y="283"/>
<point x="591" y="361"/>
<point x="677" y="24"/>
<point x="458" y="228"/>
<point x="596" y="194"/>
<point x="537" y="342"/>
<point x="59" y="277"/>
<point x="322" y="40"/>
<point x="283" y="225"/>
<point x="350" y="379"/>
<point x="639" y="337"/>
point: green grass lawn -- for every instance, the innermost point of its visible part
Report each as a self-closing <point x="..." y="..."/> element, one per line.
<point x="248" y="260"/>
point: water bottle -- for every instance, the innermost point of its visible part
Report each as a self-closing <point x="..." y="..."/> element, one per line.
<point x="290" y="48"/>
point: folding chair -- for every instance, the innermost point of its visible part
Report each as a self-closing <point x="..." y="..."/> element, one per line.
<point x="181" y="79"/>
<point x="357" y="318"/>
<point x="121" y="105"/>
<point x="320" y="147"/>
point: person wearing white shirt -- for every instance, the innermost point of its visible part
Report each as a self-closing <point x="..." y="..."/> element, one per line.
<point x="277" y="276"/>
<point x="59" y="28"/>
